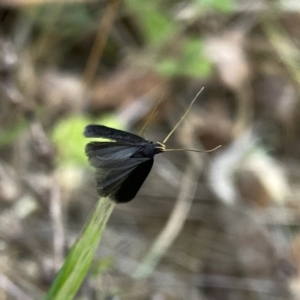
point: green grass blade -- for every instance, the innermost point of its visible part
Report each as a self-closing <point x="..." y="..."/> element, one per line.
<point x="79" y="259"/>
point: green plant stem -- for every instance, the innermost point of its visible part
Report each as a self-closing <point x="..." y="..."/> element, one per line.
<point x="79" y="259"/>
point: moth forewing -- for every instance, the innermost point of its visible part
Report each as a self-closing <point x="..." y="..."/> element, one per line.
<point x="100" y="131"/>
<point x="104" y="154"/>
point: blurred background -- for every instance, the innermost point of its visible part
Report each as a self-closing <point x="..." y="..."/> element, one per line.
<point x="216" y="226"/>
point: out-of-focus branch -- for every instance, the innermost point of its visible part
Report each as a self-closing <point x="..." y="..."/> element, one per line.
<point x="100" y="41"/>
<point x="174" y="224"/>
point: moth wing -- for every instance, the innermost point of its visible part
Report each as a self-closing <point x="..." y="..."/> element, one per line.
<point x="105" y="154"/>
<point x="113" y="164"/>
<point x="93" y="131"/>
<point x="109" y="181"/>
<point x="133" y="182"/>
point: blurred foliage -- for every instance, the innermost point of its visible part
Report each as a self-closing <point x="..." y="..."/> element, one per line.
<point x="63" y="19"/>
<point x="102" y="265"/>
<point x="159" y="28"/>
<point x="155" y="24"/>
<point x="192" y="62"/>
<point x="9" y="135"/>
<point x="223" y="6"/>
<point x="170" y="38"/>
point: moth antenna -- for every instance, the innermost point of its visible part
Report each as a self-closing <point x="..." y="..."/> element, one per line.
<point x="186" y="112"/>
<point x="152" y="115"/>
<point x="194" y="150"/>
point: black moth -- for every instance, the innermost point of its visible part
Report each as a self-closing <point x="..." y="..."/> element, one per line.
<point x="123" y="164"/>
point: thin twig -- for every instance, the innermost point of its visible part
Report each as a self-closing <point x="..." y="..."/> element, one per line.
<point x="57" y="225"/>
<point x="100" y="41"/>
<point x="12" y="289"/>
<point x="174" y="224"/>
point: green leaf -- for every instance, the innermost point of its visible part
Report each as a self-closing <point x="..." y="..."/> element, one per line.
<point x="78" y="261"/>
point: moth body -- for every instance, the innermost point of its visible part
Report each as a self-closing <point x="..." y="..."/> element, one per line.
<point x="122" y="164"/>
